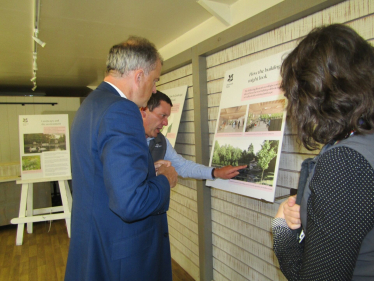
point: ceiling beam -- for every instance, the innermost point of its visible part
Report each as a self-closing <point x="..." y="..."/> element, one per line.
<point x="278" y="15"/>
<point x="221" y="11"/>
<point x="45" y="91"/>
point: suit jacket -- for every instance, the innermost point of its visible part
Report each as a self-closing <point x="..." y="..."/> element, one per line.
<point x="119" y="227"/>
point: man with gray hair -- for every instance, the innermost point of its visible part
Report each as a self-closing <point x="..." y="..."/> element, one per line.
<point x="119" y="227"/>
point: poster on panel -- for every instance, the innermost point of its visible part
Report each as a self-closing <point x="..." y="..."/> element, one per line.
<point x="44" y="146"/>
<point x="177" y="97"/>
<point x="250" y="126"/>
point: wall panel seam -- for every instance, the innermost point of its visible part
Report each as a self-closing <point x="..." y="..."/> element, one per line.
<point x="188" y="250"/>
<point x="185" y="237"/>
<point x="172" y="81"/>
<point x="182" y="204"/>
<point x="183" y="217"/>
<point x="255" y="241"/>
<point x="238" y="261"/>
<point x="219" y="199"/>
<point x="244" y="250"/>
<point x="268" y="230"/>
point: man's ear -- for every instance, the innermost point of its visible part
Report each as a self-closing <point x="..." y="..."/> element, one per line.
<point x="143" y="111"/>
<point x="138" y="76"/>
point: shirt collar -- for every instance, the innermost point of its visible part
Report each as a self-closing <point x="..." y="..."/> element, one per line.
<point x="118" y="90"/>
<point x="149" y="140"/>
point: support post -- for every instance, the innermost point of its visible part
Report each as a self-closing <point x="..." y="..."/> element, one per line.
<point x="202" y="156"/>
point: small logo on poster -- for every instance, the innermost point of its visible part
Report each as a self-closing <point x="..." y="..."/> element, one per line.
<point x="25" y="121"/>
<point x="229" y="80"/>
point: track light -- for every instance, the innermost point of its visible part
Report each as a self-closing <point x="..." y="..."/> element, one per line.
<point x="40" y="42"/>
<point x="34" y="65"/>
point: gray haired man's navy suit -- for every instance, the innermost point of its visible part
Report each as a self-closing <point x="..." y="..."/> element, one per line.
<point x="119" y="227"/>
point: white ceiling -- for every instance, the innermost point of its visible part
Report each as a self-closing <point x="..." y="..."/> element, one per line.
<point x="78" y="35"/>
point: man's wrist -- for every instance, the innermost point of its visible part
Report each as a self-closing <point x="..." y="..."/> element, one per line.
<point x="213" y="177"/>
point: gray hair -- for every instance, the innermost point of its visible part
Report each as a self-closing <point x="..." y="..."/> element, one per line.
<point x="135" y="53"/>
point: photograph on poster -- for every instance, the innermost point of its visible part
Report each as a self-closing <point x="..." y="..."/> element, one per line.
<point x="31" y="163"/>
<point x="231" y="119"/>
<point x="265" y="116"/>
<point x="37" y="143"/>
<point x="258" y="154"/>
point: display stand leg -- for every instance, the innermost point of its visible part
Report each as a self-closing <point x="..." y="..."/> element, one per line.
<point x="68" y="192"/>
<point x="27" y="213"/>
<point x="22" y="213"/>
<point x="30" y="205"/>
<point x="65" y="203"/>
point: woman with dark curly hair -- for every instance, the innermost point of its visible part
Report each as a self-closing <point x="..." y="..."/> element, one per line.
<point x="329" y="83"/>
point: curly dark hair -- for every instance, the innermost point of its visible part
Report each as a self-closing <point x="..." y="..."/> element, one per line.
<point x="328" y="80"/>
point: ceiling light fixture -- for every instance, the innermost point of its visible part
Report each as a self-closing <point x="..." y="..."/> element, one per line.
<point x="40" y="42"/>
<point x="34" y="65"/>
<point x="37" y="42"/>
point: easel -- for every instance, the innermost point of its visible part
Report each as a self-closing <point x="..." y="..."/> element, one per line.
<point x="27" y="214"/>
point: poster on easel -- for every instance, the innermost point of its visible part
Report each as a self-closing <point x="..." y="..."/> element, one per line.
<point x="44" y="146"/>
<point x="249" y="129"/>
<point x="177" y="97"/>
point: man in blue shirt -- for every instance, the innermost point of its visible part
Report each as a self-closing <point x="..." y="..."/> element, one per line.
<point x="155" y="117"/>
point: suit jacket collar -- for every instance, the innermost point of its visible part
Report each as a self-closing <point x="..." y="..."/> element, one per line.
<point x="107" y="88"/>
